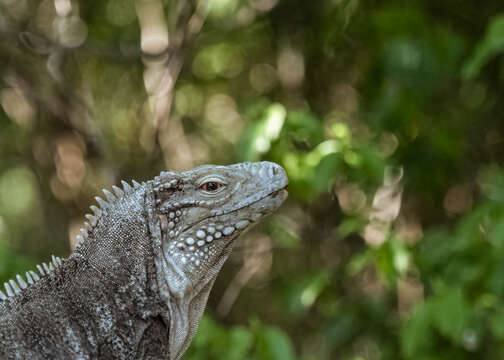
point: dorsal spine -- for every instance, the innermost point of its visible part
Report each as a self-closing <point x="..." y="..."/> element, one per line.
<point x="15" y="286"/>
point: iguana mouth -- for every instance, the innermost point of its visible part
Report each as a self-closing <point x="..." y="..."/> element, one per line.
<point x="280" y="192"/>
<point x="272" y="194"/>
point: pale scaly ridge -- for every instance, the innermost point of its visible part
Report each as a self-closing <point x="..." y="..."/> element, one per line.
<point x="14" y="287"/>
<point x="103" y="206"/>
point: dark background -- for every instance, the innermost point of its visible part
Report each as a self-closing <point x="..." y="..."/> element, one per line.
<point x="387" y="116"/>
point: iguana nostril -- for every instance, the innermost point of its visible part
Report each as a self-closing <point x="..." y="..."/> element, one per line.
<point x="273" y="170"/>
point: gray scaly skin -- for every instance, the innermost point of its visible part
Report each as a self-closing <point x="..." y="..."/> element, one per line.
<point x="137" y="284"/>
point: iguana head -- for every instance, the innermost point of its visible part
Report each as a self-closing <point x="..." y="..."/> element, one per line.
<point x="198" y="215"/>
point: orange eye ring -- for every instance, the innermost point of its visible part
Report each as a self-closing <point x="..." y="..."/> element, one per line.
<point x="211" y="186"/>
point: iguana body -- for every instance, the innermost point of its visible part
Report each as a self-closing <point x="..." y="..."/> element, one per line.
<point x="137" y="284"/>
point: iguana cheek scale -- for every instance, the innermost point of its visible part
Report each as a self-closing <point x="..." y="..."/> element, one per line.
<point x="137" y="283"/>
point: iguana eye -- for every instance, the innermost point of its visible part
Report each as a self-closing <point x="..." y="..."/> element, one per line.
<point x="211" y="186"/>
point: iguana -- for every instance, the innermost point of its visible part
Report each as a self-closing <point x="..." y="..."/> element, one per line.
<point x="137" y="284"/>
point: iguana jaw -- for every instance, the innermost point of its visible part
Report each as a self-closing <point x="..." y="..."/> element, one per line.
<point x="237" y="222"/>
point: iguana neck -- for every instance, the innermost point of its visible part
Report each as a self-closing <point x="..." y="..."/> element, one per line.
<point x="118" y="246"/>
<point x="186" y="299"/>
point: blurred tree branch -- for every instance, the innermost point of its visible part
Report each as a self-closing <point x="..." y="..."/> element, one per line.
<point x="163" y="44"/>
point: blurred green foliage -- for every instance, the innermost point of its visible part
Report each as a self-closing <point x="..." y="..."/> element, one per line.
<point x="337" y="92"/>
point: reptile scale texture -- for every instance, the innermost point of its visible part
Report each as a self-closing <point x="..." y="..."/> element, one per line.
<point x="137" y="284"/>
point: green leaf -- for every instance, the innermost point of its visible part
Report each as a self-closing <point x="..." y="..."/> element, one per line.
<point x="385" y="262"/>
<point x="497" y="323"/>
<point x="240" y="342"/>
<point x="416" y="335"/>
<point x="358" y="262"/>
<point x="262" y="133"/>
<point x="351" y="225"/>
<point x="325" y="173"/>
<point x="274" y="344"/>
<point x="491" y="46"/>
<point x="450" y="313"/>
<point x="304" y="127"/>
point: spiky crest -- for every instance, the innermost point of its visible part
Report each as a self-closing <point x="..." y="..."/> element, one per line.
<point x="98" y="211"/>
<point x="15" y="286"/>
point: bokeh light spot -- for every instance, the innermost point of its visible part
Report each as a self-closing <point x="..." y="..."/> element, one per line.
<point x="189" y="100"/>
<point x="263" y="78"/>
<point x="72" y="31"/>
<point x="340" y="130"/>
<point x="275" y="117"/>
<point x="458" y="199"/>
<point x="291" y="67"/>
<point x="352" y="158"/>
<point x="17" y="107"/>
<point x="221" y="8"/>
<point x="221" y="59"/>
<point x="224" y="119"/>
<point x="351" y="198"/>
